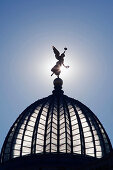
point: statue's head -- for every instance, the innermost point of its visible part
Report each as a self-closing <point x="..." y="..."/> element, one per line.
<point x="62" y="55"/>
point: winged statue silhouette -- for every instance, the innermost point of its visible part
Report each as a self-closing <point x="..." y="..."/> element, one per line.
<point x="57" y="68"/>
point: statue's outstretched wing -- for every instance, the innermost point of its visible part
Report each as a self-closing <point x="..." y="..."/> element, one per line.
<point x="57" y="54"/>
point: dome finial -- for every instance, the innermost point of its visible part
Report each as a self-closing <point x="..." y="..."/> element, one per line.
<point x="57" y="68"/>
<point x="58" y="82"/>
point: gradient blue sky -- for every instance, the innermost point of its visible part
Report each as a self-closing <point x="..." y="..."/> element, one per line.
<point x="28" y="30"/>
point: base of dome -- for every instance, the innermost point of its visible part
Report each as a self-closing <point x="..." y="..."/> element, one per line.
<point x="48" y="161"/>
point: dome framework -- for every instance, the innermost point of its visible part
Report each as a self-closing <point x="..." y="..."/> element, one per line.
<point x="56" y="124"/>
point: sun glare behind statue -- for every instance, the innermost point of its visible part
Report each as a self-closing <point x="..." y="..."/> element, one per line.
<point x="68" y="75"/>
<point x="64" y="71"/>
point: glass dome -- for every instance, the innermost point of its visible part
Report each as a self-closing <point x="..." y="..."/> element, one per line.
<point x="56" y="124"/>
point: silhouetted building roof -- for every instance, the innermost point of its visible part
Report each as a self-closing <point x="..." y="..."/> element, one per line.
<point x="56" y="124"/>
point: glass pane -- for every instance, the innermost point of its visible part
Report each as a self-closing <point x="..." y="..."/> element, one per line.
<point x="40" y="142"/>
<point x="90" y="150"/>
<point x="88" y="139"/>
<point x="99" y="154"/>
<point x="26" y="150"/>
<point x="39" y="148"/>
<point x="77" y="149"/>
<point x="16" y="147"/>
<point x="89" y="145"/>
<point x="26" y="143"/>
<point x="98" y="148"/>
<point x="27" y="138"/>
<point x="62" y="141"/>
<point x="54" y="141"/>
<point x="76" y="137"/>
<point x="76" y="142"/>
<point x="28" y="133"/>
<point x="87" y="134"/>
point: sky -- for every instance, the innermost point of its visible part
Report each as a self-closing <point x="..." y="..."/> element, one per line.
<point x="29" y="29"/>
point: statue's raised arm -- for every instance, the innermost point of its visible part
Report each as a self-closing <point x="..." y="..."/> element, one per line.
<point x="57" y="68"/>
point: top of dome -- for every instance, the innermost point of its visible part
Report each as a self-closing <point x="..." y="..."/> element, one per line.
<point x="56" y="124"/>
<point x="58" y="82"/>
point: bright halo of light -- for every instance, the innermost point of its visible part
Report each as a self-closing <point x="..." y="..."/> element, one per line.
<point x="48" y="61"/>
<point x="66" y="73"/>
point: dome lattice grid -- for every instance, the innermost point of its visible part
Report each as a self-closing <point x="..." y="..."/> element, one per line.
<point x="56" y="124"/>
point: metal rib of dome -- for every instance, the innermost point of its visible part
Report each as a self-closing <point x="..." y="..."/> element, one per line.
<point x="56" y="124"/>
